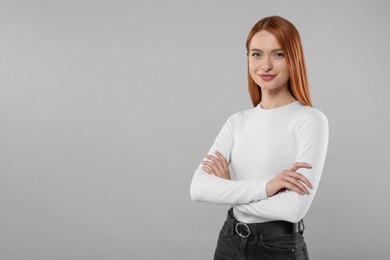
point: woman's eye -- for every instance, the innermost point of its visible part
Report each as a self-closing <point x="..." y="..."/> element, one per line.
<point x="279" y="55"/>
<point x="256" y="54"/>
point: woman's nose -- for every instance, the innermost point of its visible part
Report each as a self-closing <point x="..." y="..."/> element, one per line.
<point x="266" y="65"/>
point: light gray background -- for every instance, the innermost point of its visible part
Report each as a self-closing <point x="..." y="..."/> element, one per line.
<point x="108" y="107"/>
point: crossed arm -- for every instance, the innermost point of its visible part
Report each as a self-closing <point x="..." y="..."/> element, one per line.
<point x="283" y="197"/>
<point x="215" y="189"/>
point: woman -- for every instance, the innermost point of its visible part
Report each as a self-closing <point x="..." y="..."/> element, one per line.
<point x="276" y="152"/>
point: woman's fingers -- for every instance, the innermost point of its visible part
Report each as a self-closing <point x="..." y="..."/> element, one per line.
<point x="298" y="165"/>
<point x="295" y="182"/>
<point x="223" y="161"/>
<point x="290" y="180"/>
<point x="293" y="187"/>
<point x="208" y="170"/>
<point x="218" y="165"/>
<point x="298" y="186"/>
<point x="300" y="177"/>
<point x="216" y="160"/>
<point x="214" y="168"/>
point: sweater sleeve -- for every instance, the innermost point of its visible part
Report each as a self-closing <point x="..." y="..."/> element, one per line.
<point x="210" y="188"/>
<point x="312" y="136"/>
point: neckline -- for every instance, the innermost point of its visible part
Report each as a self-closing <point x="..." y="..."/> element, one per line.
<point x="259" y="108"/>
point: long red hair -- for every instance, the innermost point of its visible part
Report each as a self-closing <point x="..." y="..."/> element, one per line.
<point x="290" y="41"/>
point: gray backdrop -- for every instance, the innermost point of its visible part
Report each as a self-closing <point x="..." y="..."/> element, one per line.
<point x="108" y="107"/>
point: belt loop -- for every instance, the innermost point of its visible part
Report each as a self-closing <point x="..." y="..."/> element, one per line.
<point x="301" y="224"/>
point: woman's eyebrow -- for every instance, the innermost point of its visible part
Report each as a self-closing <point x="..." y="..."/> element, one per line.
<point x="254" y="49"/>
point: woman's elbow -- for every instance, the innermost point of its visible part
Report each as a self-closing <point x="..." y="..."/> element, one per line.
<point x="195" y="193"/>
<point x="296" y="215"/>
<point x="295" y="218"/>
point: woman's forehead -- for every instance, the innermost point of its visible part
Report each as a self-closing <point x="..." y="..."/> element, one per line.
<point x="264" y="40"/>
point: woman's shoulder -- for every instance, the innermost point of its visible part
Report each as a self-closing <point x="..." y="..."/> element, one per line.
<point x="310" y="115"/>
<point x="240" y="115"/>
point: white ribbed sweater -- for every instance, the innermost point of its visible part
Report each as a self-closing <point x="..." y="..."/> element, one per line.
<point x="258" y="144"/>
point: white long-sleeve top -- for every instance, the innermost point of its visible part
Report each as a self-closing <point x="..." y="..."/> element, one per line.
<point x="258" y="145"/>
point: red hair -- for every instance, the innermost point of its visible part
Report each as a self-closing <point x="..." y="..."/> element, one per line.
<point x="288" y="37"/>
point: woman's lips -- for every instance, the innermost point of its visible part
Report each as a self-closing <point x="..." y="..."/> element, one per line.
<point x="267" y="77"/>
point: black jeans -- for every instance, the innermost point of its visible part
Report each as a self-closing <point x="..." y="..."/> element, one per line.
<point x="284" y="247"/>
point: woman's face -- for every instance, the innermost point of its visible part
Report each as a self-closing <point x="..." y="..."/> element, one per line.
<point x="266" y="61"/>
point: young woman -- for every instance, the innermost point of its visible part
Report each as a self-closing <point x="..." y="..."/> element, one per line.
<point x="266" y="162"/>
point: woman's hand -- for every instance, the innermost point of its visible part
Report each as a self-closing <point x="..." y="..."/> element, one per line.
<point x="291" y="180"/>
<point x="218" y="166"/>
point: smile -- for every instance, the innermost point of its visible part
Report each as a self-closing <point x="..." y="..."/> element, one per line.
<point x="267" y="77"/>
